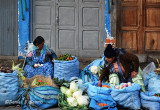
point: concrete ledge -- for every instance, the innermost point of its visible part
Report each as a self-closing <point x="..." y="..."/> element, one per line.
<point x="9" y="57"/>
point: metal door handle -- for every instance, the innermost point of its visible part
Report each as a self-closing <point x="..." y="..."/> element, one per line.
<point x="57" y="20"/>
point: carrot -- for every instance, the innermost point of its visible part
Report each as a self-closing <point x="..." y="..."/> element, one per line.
<point x="106" y="86"/>
<point x="102" y="104"/>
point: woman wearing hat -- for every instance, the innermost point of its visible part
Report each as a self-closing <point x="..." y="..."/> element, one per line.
<point x="125" y="66"/>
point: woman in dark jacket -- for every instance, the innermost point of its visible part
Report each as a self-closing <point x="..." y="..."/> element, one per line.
<point x="125" y="66"/>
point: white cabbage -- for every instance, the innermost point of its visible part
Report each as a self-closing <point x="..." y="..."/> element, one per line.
<point x="72" y="101"/>
<point x="63" y="89"/>
<point x="83" y="100"/>
<point x="73" y="87"/>
<point x="68" y="93"/>
<point x="77" y="94"/>
<point x="94" y="69"/>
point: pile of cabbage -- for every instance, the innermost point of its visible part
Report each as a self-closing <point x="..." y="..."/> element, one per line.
<point x="72" y="97"/>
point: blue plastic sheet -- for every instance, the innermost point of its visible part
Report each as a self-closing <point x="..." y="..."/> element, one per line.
<point x="66" y="69"/>
<point x="127" y="97"/>
<point x="8" y="88"/>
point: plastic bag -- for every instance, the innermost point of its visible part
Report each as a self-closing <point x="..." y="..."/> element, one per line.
<point x="127" y="97"/>
<point x="139" y="79"/>
<point x="9" y="88"/>
<point x="103" y="103"/>
<point x="149" y="68"/>
<point x="93" y="89"/>
<point x="41" y="97"/>
<point x="154" y="83"/>
<point x="113" y="79"/>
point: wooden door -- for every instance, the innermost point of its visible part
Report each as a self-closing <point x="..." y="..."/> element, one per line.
<point x="151" y="29"/>
<point x="139" y="25"/>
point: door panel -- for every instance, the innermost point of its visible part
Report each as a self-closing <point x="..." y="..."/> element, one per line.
<point x="129" y="25"/>
<point x="129" y="16"/>
<point x="152" y="41"/>
<point x="153" y="17"/>
<point x="8" y="27"/>
<point x="67" y="27"/>
<point x="152" y="26"/>
<point x="90" y="28"/>
<point x="152" y="1"/>
<point x="131" y="41"/>
<point x="129" y="0"/>
<point x="44" y="21"/>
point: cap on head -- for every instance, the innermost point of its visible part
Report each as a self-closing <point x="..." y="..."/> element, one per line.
<point x="109" y="52"/>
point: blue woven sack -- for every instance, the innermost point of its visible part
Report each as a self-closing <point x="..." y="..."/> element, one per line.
<point x="95" y="102"/>
<point x="8" y="88"/>
<point x="152" y="82"/>
<point x="86" y="74"/>
<point x="66" y="69"/>
<point x="149" y="101"/>
<point x="41" y="97"/>
<point x="127" y="97"/>
<point x="93" y="89"/>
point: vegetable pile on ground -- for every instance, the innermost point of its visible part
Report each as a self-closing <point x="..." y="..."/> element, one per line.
<point x="124" y="85"/>
<point x="65" y="57"/>
<point x="157" y="94"/>
<point x="6" y="70"/>
<point x="95" y="70"/>
<point x="106" y="86"/>
<point x="72" y="98"/>
<point x="39" y="80"/>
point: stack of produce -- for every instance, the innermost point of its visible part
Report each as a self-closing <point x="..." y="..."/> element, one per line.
<point x="72" y="98"/>
<point x="157" y="94"/>
<point x="124" y="85"/>
<point x="65" y="57"/>
<point x="37" y="81"/>
<point x="66" y="66"/>
<point x="6" y="70"/>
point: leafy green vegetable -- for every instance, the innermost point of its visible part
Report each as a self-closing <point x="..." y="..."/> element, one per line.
<point x="60" y="83"/>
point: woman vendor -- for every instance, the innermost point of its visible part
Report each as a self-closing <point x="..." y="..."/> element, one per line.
<point x="125" y="66"/>
<point x="40" y="60"/>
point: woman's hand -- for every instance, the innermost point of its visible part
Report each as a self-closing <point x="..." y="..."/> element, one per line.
<point x="35" y="65"/>
<point x="53" y="60"/>
<point x="133" y="74"/>
<point x="99" y="83"/>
